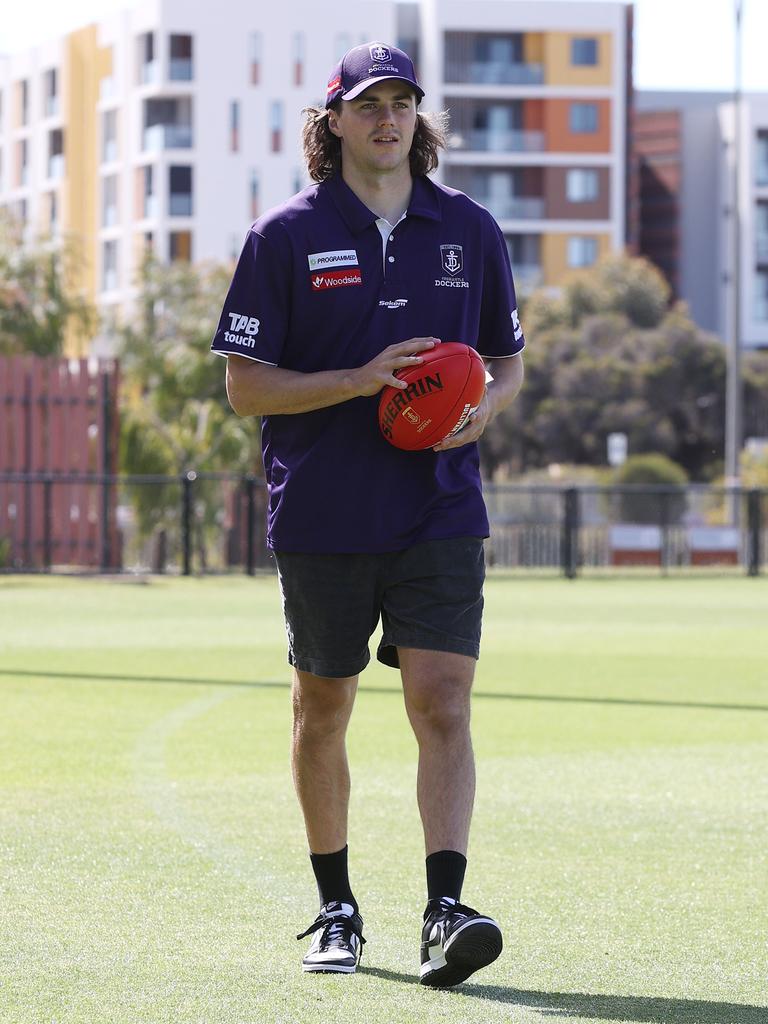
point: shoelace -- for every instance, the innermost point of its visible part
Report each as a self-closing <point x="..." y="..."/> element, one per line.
<point x="335" y="927"/>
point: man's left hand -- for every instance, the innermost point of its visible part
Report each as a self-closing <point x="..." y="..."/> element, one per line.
<point x="472" y="429"/>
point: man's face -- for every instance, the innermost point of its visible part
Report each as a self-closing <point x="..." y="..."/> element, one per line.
<point x="376" y="128"/>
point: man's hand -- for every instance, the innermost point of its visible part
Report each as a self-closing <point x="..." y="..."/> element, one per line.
<point x="502" y="390"/>
<point x="380" y="371"/>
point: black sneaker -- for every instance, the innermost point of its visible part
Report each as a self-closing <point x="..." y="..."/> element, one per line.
<point x="337" y="940"/>
<point x="456" y="941"/>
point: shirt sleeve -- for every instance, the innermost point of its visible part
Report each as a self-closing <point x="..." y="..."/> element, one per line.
<point x="254" y="320"/>
<point x="500" y="332"/>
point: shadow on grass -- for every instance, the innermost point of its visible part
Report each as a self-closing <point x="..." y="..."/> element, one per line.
<point x="271" y="684"/>
<point x="634" y="1009"/>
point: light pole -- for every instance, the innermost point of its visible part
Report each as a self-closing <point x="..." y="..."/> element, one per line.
<point x="733" y="387"/>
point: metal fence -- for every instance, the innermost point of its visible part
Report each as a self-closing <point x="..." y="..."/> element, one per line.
<point x="214" y="523"/>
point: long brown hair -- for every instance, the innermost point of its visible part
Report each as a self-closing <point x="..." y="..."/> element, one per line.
<point x="322" y="149"/>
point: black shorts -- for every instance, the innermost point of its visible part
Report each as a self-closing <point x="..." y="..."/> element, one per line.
<point x="429" y="597"/>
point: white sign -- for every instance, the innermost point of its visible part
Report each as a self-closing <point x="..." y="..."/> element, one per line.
<point x="617" y="449"/>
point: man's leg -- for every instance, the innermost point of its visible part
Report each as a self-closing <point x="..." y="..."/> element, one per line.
<point x="456" y="940"/>
<point x="437" y="687"/>
<point x="321" y="710"/>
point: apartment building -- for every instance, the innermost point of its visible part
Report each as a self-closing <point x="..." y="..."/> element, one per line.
<point x="539" y="96"/>
<point x="684" y="145"/>
<point x="172" y="126"/>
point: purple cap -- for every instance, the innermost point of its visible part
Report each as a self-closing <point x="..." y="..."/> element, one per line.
<point x="365" y="65"/>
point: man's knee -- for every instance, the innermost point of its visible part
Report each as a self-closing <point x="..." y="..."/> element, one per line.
<point x="437" y="691"/>
<point x="322" y="705"/>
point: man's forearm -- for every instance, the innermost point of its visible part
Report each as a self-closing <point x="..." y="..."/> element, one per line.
<point x="507" y="380"/>
<point x="262" y="390"/>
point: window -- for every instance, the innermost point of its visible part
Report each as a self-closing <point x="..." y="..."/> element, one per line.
<point x="761" y="296"/>
<point x="23" y="95"/>
<point x="276" y="125"/>
<point x="109" y="201"/>
<point x="254" y="52"/>
<point x="582" y="186"/>
<point x="234" y="126"/>
<point x="180" y="66"/>
<point x="50" y="93"/>
<point x="148" y="68"/>
<point x="22" y="162"/>
<point x="180" y="189"/>
<point x="582" y="251"/>
<point x="583" y="118"/>
<point x="148" y="197"/>
<point x="583" y="52"/>
<point x="298" y="58"/>
<point x="761" y="233"/>
<point x="109" y="136"/>
<point x="762" y="158"/>
<point x="56" y="153"/>
<point x="254" y="193"/>
<point x="53" y="211"/>
<point x="109" y="265"/>
<point x="180" y="246"/>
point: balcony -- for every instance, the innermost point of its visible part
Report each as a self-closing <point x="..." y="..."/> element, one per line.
<point x="56" y="166"/>
<point x="481" y="140"/>
<point x="180" y="204"/>
<point x="493" y="72"/>
<point x="167" y="136"/>
<point x="512" y="207"/>
<point x="180" y="69"/>
<point x="149" y="73"/>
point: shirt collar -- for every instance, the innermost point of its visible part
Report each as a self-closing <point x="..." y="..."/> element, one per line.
<point x="424" y="203"/>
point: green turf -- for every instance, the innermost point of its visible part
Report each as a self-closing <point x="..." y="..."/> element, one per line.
<point x="153" y="865"/>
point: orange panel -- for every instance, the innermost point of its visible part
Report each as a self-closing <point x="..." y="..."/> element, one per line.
<point x="560" y="138"/>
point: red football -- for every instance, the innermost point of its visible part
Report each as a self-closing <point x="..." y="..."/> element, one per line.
<point x="442" y="393"/>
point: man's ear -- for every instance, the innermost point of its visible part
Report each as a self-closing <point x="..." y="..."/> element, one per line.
<point x="333" y="123"/>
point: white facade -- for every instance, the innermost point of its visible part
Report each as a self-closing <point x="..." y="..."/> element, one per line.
<point x="753" y="220"/>
<point x="196" y="129"/>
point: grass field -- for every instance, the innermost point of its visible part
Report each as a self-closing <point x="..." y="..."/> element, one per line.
<point x="154" y="866"/>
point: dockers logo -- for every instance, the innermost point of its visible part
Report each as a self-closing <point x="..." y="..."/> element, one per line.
<point x="381" y="54"/>
<point x="401" y="403"/>
<point x="452" y="257"/>
<point x="516" y="327"/>
<point x="335" y="279"/>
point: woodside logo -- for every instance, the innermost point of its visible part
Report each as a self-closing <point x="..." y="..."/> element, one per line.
<point x="335" y="279"/>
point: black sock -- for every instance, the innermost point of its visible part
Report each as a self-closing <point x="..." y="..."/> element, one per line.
<point x="445" y="874"/>
<point x="332" y="877"/>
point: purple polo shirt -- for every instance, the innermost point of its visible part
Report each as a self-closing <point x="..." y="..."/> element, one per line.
<point x="313" y="291"/>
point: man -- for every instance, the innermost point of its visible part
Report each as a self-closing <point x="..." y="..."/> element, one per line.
<point x="335" y="291"/>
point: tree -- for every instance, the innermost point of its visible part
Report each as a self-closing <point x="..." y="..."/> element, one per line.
<point x="40" y="302"/>
<point x="609" y="355"/>
<point x="175" y="411"/>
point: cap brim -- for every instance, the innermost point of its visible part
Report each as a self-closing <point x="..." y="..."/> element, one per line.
<point x="362" y="86"/>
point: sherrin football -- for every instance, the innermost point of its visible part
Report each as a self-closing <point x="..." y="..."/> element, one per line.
<point x="442" y="393"/>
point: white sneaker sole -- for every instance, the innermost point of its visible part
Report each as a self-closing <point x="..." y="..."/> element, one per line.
<point x="475" y="944"/>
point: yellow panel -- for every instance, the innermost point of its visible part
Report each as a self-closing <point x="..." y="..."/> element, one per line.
<point x="554" y="256"/>
<point x="558" y="69"/>
<point x="84" y="67"/>
<point x="533" y="48"/>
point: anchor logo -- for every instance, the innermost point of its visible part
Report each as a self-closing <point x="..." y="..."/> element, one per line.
<point x="452" y="257"/>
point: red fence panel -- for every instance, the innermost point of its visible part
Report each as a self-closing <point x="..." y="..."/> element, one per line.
<point x="59" y="416"/>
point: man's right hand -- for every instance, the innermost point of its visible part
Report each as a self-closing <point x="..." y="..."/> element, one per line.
<point x="380" y="371"/>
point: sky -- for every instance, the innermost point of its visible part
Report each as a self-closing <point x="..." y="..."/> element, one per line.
<point x="679" y="44"/>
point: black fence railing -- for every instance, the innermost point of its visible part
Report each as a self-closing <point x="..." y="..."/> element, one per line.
<point x="198" y="523"/>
